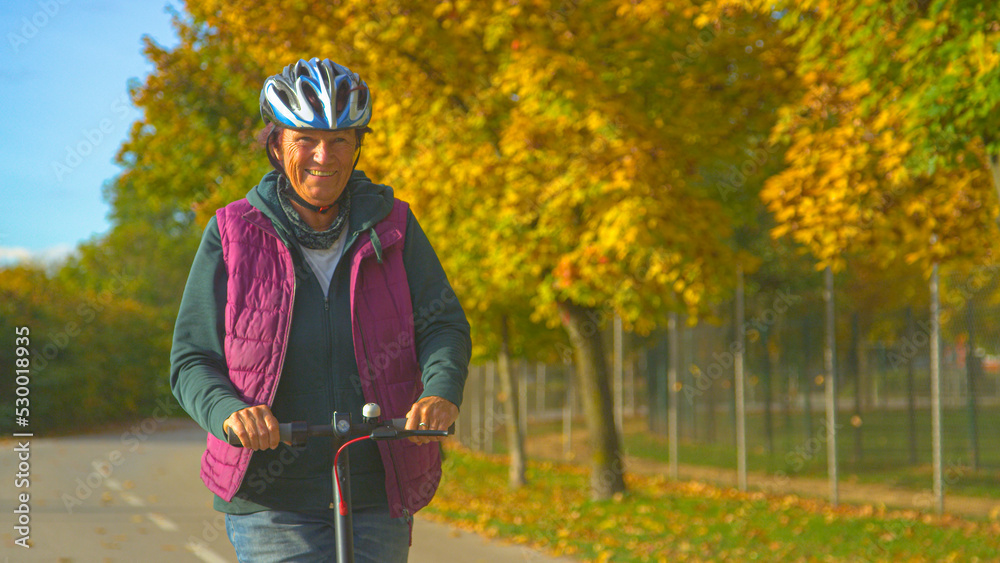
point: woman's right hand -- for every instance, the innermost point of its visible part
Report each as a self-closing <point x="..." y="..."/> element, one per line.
<point x="256" y="427"/>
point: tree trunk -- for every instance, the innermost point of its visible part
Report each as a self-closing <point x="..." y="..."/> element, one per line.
<point x="607" y="476"/>
<point x="508" y="389"/>
<point x="994" y="165"/>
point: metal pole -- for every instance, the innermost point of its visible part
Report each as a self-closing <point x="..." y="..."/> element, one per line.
<point x="619" y="378"/>
<point x="476" y="410"/>
<point x="490" y="422"/>
<point x="741" y="437"/>
<point x="671" y="390"/>
<point x="568" y="412"/>
<point x="540" y="388"/>
<point x="344" y="526"/>
<point x="522" y="394"/>
<point x="630" y="386"/>
<point x="936" y="389"/>
<point x="831" y="389"/>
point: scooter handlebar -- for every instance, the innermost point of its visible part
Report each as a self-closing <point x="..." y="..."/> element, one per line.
<point x="296" y="433"/>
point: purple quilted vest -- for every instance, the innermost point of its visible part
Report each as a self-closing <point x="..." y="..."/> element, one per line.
<point x="260" y="294"/>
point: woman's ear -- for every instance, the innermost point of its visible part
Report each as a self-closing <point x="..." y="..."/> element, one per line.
<point x="274" y="144"/>
<point x="272" y="149"/>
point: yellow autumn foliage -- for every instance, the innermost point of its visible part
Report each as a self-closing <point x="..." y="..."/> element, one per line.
<point x="546" y="146"/>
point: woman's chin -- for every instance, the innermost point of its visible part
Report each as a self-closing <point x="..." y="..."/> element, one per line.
<point x="322" y="196"/>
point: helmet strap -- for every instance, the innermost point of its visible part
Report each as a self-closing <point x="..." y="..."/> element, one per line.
<point x="318" y="209"/>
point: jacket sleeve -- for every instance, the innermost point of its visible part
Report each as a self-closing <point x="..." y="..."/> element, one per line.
<point x="198" y="374"/>
<point x="444" y="344"/>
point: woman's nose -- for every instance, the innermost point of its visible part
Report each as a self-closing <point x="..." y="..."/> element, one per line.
<point x="322" y="152"/>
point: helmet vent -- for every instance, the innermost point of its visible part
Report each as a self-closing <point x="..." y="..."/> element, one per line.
<point x="342" y="95"/>
<point x="362" y="97"/>
<point x="312" y="98"/>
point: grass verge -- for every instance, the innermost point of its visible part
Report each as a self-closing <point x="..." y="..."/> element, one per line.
<point x="660" y="520"/>
<point x="804" y="459"/>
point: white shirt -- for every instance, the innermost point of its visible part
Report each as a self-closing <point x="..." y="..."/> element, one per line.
<point x="323" y="261"/>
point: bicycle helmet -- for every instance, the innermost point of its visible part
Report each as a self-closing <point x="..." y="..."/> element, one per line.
<point x="318" y="94"/>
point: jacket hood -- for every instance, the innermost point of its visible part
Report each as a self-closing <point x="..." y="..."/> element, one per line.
<point x="370" y="203"/>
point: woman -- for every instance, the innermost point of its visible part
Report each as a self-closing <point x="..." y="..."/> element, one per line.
<point x="317" y="293"/>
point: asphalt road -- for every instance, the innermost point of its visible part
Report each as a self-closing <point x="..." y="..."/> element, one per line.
<point x="134" y="494"/>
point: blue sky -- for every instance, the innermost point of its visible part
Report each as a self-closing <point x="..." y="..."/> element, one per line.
<point x="64" y="73"/>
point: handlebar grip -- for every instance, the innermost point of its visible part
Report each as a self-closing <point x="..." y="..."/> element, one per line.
<point x="293" y="433"/>
<point x="400" y="424"/>
<point x="233" y="439"/>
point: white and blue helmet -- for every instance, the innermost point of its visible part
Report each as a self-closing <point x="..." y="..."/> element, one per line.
<point x="318" y="94"/>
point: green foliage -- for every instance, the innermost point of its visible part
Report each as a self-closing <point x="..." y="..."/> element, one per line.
<point x="81" y="374"/>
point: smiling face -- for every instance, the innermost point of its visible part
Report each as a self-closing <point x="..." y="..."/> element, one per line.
<point x="318" y="163"/>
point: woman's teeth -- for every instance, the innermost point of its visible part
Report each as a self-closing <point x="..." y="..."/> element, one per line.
<point x="319" y="173"/>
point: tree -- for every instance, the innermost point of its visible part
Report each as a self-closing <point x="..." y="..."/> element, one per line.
<point x="76" y="370"/>
<point x="891" y="147"/>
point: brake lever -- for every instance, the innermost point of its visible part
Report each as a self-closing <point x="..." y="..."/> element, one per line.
<point x="397" y="431"/>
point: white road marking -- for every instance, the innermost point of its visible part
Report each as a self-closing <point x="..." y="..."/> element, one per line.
<point x="113" y="484"/>
<point x="162" y="522"/>
<point x="132" y="499"/>
<point x="204" y="553"/>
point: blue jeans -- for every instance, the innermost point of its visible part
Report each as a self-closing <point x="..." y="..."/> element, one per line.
<point x="278" y="535"/>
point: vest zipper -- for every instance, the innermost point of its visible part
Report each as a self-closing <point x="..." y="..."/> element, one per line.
<point x="392" y="455"/>
<point x="288" y="332"/>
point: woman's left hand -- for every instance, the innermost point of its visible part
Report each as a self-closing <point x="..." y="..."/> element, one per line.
<point x="434" y="413"/>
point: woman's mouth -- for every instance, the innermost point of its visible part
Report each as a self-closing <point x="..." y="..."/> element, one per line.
<point x="320" y="173"/>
